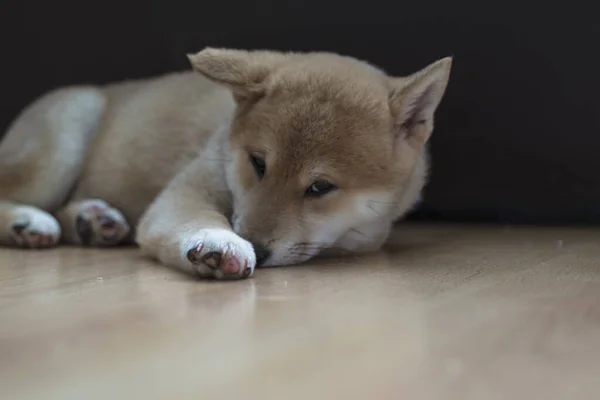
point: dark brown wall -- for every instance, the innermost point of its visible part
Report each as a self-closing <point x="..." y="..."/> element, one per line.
<point x="518" y="132"/>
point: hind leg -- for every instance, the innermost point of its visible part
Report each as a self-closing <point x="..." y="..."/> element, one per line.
<point x="92" y="223"/>
<point x="26" y="226"/>
<point x="40" y="159"/>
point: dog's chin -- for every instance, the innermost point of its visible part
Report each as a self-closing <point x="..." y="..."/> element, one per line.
<point x="288" y="259"/>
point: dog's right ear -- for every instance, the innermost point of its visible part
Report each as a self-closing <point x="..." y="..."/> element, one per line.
<point x="244" y="72"/>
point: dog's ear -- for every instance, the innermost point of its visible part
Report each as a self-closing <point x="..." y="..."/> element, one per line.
<point x="244" y="72"/>
<point x="414" y="99"/>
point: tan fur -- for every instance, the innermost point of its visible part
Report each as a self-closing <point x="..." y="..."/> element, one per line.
<point x="171" y="157"/>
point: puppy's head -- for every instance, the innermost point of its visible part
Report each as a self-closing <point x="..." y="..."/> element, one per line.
<point x="327" y="151"/>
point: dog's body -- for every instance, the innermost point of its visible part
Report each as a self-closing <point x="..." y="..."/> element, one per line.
<point x="267" y="158"/>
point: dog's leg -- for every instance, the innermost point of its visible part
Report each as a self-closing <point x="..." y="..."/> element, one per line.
<point x="92" y="223"/>
<point x="40" y="159"/>
<point x="187" y="227"/>
<point x="27" y="226"/>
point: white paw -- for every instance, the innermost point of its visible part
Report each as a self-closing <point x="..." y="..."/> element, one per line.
<point x="34" y="228"/>
<point x="220" y="253"/>
<point x="97" y="224"/>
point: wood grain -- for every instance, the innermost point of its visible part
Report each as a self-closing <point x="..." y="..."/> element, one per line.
<point x="443" y="312"/>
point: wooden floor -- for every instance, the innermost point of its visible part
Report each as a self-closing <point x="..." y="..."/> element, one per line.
<point x="444" y="312"/>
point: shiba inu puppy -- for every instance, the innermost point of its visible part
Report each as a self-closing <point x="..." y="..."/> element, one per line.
<point x="255" y="158"/>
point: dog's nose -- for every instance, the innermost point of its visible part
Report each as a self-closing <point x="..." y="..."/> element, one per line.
<point x="262" y="253"/>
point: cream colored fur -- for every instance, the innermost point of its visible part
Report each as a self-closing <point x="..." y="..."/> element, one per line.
<point x="255" y="158"/>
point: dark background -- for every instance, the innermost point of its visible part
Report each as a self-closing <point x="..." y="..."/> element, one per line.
<point x="517" y="135"/>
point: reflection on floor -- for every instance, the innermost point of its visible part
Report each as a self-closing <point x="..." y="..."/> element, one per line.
<point x="444" y="312"/>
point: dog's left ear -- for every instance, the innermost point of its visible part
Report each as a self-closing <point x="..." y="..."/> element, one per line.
<point x="244" y="72"/>
<point x="414" y="99"/>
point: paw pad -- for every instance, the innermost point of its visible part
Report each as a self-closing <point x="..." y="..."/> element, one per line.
<point x="19" y="227"/>
<point x="98" y="224"/>
<point x="222" y="259"/>
<point x="28" y="235"/>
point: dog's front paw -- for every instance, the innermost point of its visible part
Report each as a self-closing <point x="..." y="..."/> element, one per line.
<point x="34" y="228"/>
<point x="221" y="254"/>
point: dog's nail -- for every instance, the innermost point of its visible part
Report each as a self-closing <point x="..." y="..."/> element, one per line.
<point x="194" y="254"/>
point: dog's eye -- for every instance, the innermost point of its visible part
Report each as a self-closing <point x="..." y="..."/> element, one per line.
<point x="319" y="188"/>
<point x="259" y="166"/>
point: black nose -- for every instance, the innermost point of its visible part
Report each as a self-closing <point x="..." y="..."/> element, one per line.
<point x="262" y="253"/>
